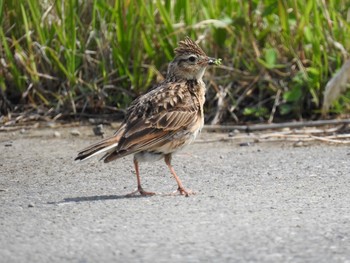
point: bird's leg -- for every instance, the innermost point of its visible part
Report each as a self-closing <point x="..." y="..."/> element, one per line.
<point x="181" y="189"/>
<point x="139" y="187"/>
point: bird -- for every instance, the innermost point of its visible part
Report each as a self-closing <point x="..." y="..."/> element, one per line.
<point x="165" y="119"/>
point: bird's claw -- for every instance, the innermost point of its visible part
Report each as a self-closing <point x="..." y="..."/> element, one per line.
<point x="140" y="191"/>
<point x="184" y="192"/>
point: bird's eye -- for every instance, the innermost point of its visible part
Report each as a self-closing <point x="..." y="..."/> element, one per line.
<point x="192" y="58"/>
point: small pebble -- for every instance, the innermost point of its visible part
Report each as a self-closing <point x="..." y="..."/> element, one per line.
<point x="233" y="133"/>
<point x="56" y="134"/>
<point x="246" y="144"/>
<point x="91" y="120"/>
<point x="51" y="124"/>
<point x="8" y="144"/>
<point x="98" y="130"/>
<point x="75" y="133"/>
<point x="22" y="131"/>
<point x="31" y="205"/>
<point x="298" y="144"/>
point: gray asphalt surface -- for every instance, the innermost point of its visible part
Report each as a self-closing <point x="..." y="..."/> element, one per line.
<point x="259" y="203"/>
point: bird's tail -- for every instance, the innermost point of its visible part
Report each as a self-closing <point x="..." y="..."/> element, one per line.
<point x="107" y="145"/>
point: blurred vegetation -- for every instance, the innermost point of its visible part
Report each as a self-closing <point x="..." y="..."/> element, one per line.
<point x="75" y="57"/>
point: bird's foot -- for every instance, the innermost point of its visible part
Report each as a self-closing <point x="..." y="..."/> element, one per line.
<point x="140" y="191"/>
<point x="184" y="192"/>
<point x="145" y="193"/>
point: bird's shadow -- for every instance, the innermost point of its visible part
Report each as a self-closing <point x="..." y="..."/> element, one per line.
<point x="93" y="198"/>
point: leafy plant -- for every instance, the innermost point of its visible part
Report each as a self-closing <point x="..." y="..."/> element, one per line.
<point x="95" y="56"/>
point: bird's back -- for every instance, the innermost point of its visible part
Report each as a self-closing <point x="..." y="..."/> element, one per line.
<point x="162" y="120"/>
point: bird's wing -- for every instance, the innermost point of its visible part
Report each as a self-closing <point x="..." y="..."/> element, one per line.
<point x="156" y="117"/>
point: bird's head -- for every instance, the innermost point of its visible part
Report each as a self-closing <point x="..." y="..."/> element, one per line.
<point x="190" y="61"/>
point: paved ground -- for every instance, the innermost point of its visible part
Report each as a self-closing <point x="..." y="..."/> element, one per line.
<point x="259" y="203"/>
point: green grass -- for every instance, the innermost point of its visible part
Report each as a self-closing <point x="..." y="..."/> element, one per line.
<point x="96" y="56"/>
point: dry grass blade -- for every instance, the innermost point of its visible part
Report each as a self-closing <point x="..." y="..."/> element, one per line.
<point x="336" y="86"/>
<point x="273" y="126"/>
<point x="334" y="135"/>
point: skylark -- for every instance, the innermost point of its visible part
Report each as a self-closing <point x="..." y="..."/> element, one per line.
<point x="165" y="119"/>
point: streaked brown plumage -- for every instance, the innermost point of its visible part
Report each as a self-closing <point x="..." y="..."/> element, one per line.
<point x="165" y="119"/>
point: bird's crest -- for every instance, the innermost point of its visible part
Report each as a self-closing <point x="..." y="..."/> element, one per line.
<point x="188" y="46"/>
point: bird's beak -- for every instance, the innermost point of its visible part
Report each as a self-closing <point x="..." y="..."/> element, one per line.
<point x="211" y="61"/>
<point x="214" y="61"/>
